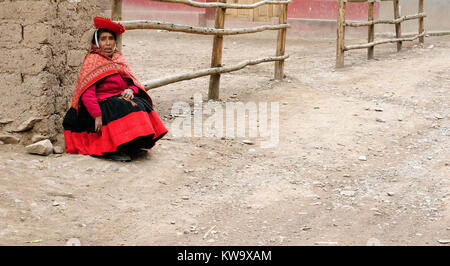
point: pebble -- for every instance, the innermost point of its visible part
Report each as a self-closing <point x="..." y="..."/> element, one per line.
<point x="185" y="197"/>
<point x="172" y="222"/>
<point x="437" y="116"/>
<point x="55" y="203"/>
<point x="378" y="109"/>
<point x="346" y="175"/>
<point x="73" y="242"/>
<point x="362" y="158"/>
<point x="58" y="150"/>
<point x="248" y="142"/>
<point x="380" y="120"/>
<point x="348" y="193"/>
<point x="325" y="243"/>
<point x="391" y="194"/>
<point x="444" y="241"/>
<point x="18" y="201"/>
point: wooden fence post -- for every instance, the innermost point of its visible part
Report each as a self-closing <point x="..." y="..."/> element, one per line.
<point x="281" y="43"/>
<point x="116" y="15"/>
<point x="371" y="31"/>
<point x="398" y="26"/>
<point x="421" y="22"/>
<point x="216" y="59"/>
<point x="340" y="34"/>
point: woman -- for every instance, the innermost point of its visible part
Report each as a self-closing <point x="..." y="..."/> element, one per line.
<point x="111" y="113"/>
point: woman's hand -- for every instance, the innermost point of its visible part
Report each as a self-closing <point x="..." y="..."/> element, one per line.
<point x="98" y="124"/>
<point x="127" y="94"/>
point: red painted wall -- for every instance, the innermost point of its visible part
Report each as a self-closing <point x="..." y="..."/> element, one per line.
<point x="326" y="9"/>
<point x="314" y="9"/>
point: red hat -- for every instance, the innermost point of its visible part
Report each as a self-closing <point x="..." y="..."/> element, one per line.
<point x="106" y="23"/>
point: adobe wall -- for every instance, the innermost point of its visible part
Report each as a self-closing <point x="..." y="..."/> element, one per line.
<point x="437" y="11"/>
<point x="42" y="46"/>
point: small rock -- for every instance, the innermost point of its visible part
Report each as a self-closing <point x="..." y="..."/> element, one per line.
<point x="378" y="109"/>
<point x="18" y="201"/>
<point x="325" y="243"/>
<point x="444" y="241"/>
<point x="285" y="103"/>
<point x="380" y="120"/>
<point x="73" y="242"/>
<point x="346" y="175"/>
<point x="437" y="116"/>
<point x="27" y="125"/>
<point x="58" y="150"/>
<point x="431" y="46"/>
<point x="248" y="142"/>
<point x="185" y="197"/>
<point x="1" y="142"/>
<point x="348" y="193"/>
<point x="362" y="158"/>
<point x="43" y="147"/>
<point x="172" y="222"/>
<point x="211" y="240"/>
<point x="391" y="194"/>
<point x="316" y="107"/>
<point x="251" y="150"/>
<point x="9" y="139"/>
<point x="5" y="121"/>
<point x="55" y="203"/>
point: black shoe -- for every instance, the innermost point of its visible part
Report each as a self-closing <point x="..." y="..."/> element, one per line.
<point x="118" y="156"/>
<point x="134" y="153"/>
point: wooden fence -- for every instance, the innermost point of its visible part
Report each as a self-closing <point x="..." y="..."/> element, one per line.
<point x="342" y="24"/>
<point x="218" y="31"/>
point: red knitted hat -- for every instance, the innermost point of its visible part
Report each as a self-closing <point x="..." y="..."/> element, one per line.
<point x="106" y="23"/>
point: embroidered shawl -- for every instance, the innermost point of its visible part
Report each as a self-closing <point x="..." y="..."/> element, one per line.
<point x="96" y="66"/>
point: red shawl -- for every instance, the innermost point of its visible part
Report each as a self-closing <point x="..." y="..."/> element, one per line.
<point x="97" y="65"/>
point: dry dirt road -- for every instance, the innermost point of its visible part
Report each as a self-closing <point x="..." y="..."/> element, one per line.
<point x="312" y="189"/>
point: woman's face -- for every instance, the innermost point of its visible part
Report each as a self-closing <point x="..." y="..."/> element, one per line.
<point x="107" y="43"/>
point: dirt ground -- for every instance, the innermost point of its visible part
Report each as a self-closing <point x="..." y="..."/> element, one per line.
<point x="312" y="189"/>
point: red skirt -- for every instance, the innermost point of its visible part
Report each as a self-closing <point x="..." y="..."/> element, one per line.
<point x="123" y="124"/>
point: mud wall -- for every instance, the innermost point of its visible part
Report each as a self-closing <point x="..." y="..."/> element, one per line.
<point x="437" y="10"/>
<point x="42" y="46"/>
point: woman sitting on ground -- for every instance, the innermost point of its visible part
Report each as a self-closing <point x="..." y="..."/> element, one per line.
<point x="111" y="113"/>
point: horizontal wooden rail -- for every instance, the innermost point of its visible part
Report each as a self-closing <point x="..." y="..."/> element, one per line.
<point x="225" y="5"/>
<point x="149" y="24"/>
<point x="384" y="21"/>
<point x="152" y="84"/>
<point x="367" y="45"/>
